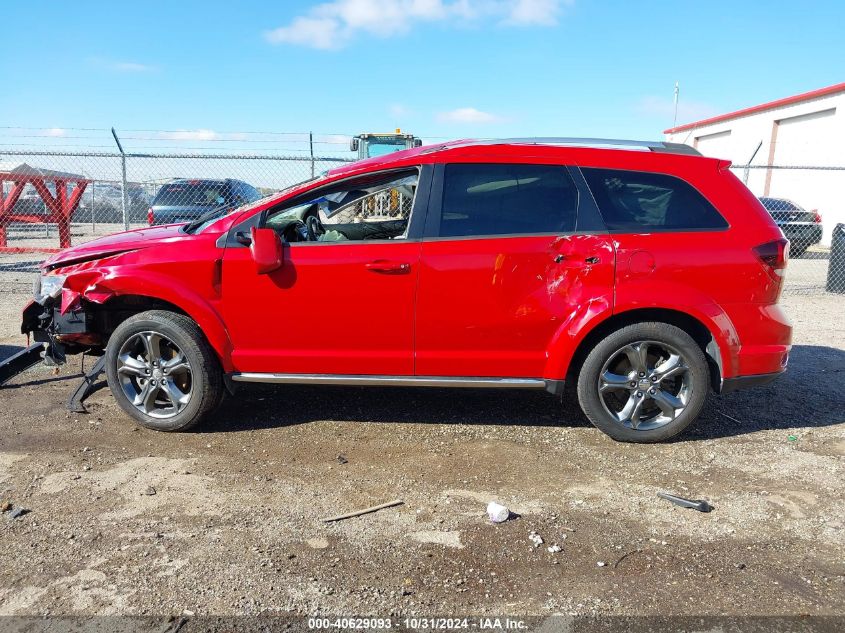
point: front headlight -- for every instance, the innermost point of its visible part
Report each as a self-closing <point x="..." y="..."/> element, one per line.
<point x="48" y="287"/>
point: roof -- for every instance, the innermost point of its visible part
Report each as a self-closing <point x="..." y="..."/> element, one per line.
<point x="771" y="105"/>
<point x="485" y="146"/>
<point x="24" y="169"/>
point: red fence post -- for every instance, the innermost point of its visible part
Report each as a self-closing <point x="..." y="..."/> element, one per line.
<point x="2" y="213"/>
<point x="7" y="205"/>
<point x="62" y="213"/>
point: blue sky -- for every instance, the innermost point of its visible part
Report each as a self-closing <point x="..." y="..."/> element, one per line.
<point x="197" y="74"/>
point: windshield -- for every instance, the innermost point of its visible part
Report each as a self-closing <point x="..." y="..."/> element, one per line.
<point x="382" y="148"/>
<point x="194" y="193"/>
<point x="209" y="218"/>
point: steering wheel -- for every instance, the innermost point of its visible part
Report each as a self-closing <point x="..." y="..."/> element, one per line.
<point x="294" y="231"/>
<point x="314" y="227"/>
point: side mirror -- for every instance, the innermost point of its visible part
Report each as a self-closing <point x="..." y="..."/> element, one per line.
<point x="266" y="249"/>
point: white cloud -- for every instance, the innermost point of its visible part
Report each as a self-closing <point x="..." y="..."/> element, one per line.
<point x="468" y="115"/>
<point x="55" y="132"/>
<point x="201" y="135"/>
<point x="321" y="33"/>
<point x="189" y="135"/>
<point x="131" y="67"/>
<point x="332" y="25"/>
<point x="535" y="12"/>
<point x="688" y="110"/>
<point x="121" y="66"/>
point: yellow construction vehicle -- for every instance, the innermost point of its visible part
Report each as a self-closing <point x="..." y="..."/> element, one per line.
<point x="369" y="145"/>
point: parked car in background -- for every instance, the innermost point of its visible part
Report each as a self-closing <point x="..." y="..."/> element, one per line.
<point x="102" y="202"/>
<point x="506" y="264"/>
<point x="184" y="200"/>
<point x="31" y="203"/>
<point x="801" y="227"/>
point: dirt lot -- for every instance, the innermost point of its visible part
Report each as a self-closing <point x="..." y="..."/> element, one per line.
<point x="234" y="524"/>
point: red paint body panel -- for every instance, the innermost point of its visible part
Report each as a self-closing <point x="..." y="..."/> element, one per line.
<point x="324" y="311"/>
<point x="495" y="307"/>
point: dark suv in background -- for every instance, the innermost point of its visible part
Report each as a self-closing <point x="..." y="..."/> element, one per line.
<point x="184" y="199"/>
<point x="801" y="227"/>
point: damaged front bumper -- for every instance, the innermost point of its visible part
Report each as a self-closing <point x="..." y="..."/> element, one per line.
<point x="64" y="333"/>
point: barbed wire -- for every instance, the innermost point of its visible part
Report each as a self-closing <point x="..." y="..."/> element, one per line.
<point x="169" y="155"/>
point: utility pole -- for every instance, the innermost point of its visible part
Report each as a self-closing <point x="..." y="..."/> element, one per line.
<point x="675" y="117"/>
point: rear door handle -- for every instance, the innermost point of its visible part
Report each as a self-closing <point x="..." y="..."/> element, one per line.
<point x="386" y="267"/>
<point x="593" y="260"/>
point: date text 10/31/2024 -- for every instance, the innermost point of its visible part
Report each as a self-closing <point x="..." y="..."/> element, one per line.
<point x="420" y="623"/>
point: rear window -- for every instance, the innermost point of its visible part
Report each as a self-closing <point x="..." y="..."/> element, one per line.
<point x="632" y="201"/>
<point x="507" y="199"/>
<point x="192" y="194"/>
<point x="778" y="204"/>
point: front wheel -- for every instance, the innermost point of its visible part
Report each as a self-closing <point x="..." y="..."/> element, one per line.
<point x="644" y="383"/>
<point x="162" y="371"/>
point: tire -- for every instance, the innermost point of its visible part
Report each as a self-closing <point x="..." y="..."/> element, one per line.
<point x="653" y="413"/>
<point x="187" y="374"/>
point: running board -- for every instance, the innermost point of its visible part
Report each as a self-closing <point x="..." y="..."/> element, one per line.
<point x="391" y="381"/>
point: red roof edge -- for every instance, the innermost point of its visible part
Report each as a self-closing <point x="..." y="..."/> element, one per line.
<point x="804" y="96"/>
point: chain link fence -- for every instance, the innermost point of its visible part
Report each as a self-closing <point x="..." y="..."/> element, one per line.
<point x="51" y="200"/>
<point x="54" y="199"/>
<point x="806" y="203"/>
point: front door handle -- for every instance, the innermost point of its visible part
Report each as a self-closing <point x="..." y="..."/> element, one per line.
<point x="386" y="267"/>
<point x="593" y="260"/>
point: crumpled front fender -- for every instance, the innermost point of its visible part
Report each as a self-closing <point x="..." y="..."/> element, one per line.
<point x="99" y="284"/>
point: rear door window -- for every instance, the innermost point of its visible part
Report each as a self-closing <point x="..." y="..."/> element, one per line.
<point x="507" y="199"/>
<point x="634" y="201"/>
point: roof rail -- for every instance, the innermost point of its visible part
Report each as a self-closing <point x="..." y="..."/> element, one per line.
<point x="654" y="146"/>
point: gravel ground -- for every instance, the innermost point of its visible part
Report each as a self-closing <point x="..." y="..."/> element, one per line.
<point x="228" y="519"/>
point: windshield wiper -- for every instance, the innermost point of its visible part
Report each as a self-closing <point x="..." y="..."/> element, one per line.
<point x="205" y="217"/>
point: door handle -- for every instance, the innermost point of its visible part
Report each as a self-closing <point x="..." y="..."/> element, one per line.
<point x="387" y="267"/>
<point x="593" y="260"/>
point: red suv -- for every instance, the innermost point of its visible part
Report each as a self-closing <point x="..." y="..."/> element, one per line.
<point x="643" y="273"/>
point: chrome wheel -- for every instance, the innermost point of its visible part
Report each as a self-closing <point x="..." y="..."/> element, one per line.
<point x="154" y="374"/>
<point x="645" y="385"/>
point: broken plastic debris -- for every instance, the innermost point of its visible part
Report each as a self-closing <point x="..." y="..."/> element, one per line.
<point x="17" y="512"/>
<point x="535" y="538"/>
<point x="497" y="512"/>
<point x="554" y="549"/>
<point x="696" y="504"/>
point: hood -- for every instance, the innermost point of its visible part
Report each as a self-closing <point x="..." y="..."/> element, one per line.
<point x="118" y="243"/>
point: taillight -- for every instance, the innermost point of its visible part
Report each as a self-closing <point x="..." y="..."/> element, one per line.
<point x="774" y="256"/>
<point x="151" y="218"/>
<point x="816" y="217"/>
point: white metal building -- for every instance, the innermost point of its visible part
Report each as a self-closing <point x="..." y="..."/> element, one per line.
<point x="805" y="130"/>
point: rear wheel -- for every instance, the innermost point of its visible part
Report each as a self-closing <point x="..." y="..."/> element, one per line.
<point x="162" y="371"/>
<point x="644" y="383"/>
